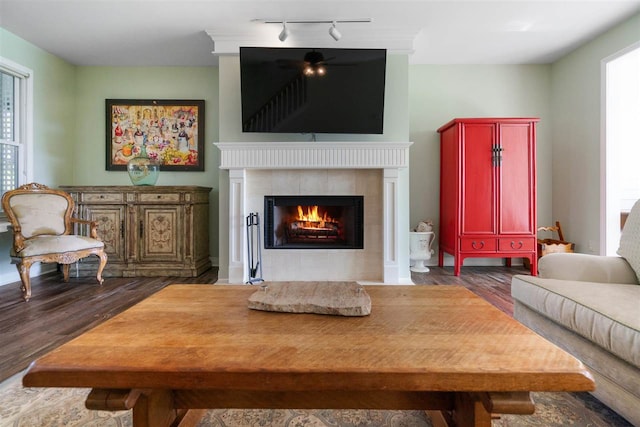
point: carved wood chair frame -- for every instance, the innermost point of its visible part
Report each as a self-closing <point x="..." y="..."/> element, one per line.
<point x="24" y="263"/>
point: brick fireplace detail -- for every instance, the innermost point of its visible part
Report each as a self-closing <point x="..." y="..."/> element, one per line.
<point x="371" y="169"/>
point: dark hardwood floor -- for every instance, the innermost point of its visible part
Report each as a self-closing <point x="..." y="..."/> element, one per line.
<point x="491" y="283"/>
<point x="58" y="311"/>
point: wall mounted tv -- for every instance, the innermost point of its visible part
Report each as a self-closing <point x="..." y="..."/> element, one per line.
<point x="314" y="90"/>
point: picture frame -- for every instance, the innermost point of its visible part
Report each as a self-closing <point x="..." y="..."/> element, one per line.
<point x="171" y="131"/>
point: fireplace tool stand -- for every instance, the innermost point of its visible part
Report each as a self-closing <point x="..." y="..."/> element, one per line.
<point x="254" y="249"/>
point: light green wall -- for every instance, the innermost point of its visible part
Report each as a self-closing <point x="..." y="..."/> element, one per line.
<point x="53" y="128"/>
<point x="576" y="88"/>
<point x="53" y="107"/>
<point x="439" y="93"/>
<point x="95" y="84"/>
<point x="396" y="128"/>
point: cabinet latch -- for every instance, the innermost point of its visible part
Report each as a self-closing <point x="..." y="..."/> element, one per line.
<point x="496" y="156"/>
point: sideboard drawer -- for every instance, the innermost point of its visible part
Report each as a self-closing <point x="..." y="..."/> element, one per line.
<point x="101" y="197"/>
<point x="527" y="244"/>
<point x="159" y="197"/>
<point x="480" y="244"/>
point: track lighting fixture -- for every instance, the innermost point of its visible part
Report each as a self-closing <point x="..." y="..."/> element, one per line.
<point x="284" y="33"/>
<point x="333" y="32"/>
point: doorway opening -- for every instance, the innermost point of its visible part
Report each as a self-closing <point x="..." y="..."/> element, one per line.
<point x="621" y="151"/>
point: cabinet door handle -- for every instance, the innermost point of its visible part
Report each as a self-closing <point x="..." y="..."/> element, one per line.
<point x="141" y="229"/>
<point x="122" y="228"/>
<point x="496" y="154"/>
<point x="480" y="246"/>
<point x="513" y="245"/>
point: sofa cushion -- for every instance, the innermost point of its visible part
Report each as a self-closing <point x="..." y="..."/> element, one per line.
<point x="630" y="240"/>
<point x="606" y="314"/>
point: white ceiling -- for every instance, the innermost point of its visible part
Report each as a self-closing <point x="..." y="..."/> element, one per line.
<point x="175" y="32"/>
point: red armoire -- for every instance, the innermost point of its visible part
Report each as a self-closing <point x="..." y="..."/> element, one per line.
<point x="488" y="190"/>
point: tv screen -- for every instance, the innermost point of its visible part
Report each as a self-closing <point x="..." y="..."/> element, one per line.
<point x="298" y="90"/>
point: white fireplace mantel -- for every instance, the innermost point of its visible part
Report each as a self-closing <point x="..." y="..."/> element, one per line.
<point x="319" y="155"/>
<point x="238" y="157"/>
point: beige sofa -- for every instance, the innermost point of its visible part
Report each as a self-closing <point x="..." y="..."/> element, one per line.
<point x="589" y="305"/>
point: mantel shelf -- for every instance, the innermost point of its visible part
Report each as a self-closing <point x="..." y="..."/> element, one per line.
<point x="302" y="155"/>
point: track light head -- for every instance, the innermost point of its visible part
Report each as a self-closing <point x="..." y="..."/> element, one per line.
<point x="333" y="31"/>
<point x="284" y="33"/>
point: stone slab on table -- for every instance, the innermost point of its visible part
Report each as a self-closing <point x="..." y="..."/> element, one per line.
<point x="333" y="298"/>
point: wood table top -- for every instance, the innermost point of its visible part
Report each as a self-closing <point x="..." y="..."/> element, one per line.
<point x="432" y="338"/>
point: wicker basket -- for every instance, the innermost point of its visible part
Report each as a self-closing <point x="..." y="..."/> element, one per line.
<point x="549" y="246"/>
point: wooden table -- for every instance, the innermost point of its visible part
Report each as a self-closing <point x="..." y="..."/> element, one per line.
<point x="190" y="347"/>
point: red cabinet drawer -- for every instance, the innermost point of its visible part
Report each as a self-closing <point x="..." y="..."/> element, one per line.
<point x="478" y="244"/>
<point x="527" y="244"/>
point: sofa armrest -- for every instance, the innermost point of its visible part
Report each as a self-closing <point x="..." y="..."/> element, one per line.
<point x="586" y="268"/>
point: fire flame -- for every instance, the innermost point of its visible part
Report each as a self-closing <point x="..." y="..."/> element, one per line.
<point x="312" y="218"/>
<point x="311" y="215"/>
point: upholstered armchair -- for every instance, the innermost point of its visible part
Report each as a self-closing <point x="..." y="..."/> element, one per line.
<point x="43" y="231"/>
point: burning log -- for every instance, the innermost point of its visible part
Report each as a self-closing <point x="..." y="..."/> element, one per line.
<point x="312" y="225"/>
<point x="314" y="230"/>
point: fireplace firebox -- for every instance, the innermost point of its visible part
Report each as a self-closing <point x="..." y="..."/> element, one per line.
<point x="313" y="222"/>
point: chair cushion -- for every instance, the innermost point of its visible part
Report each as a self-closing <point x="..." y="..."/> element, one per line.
<point x="43" y="245"/>
<point x="630" y="240"/>
<point x="40" y="213"/>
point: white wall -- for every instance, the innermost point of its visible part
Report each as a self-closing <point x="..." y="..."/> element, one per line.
<point x="576" y="89"/>
<point x="622" y="150"/>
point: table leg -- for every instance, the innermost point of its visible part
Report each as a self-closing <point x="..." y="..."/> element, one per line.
<point x="151" y="408"/>
<point x="156" y="409"/>
<point x="475" y="409"/>
<point x="468" y="412"/>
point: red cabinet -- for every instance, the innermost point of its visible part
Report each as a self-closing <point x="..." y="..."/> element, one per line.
<point x="488" y="190"/>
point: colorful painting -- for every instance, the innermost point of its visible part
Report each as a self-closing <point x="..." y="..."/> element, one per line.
<point x="170" y="131"/>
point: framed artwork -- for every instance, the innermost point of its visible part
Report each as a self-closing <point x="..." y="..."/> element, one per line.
<point x="171" y="131"/>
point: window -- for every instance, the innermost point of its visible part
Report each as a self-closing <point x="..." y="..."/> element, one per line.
<point x="15" y="125"/>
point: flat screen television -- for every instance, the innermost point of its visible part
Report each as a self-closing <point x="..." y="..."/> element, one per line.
<point x="314" y="90"/>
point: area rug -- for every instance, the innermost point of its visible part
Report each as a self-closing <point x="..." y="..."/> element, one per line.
<point x="57" y="407"/>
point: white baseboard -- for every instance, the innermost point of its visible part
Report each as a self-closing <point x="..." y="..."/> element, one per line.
<point x="35" y="271"/>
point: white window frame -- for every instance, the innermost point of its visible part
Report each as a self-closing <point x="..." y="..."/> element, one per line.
<point x="24" y="118"/>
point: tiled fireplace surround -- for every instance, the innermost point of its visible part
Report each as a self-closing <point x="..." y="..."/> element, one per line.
<point x="370" y="169"/>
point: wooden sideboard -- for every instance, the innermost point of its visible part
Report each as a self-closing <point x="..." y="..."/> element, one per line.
<point x="148" y="230"/>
